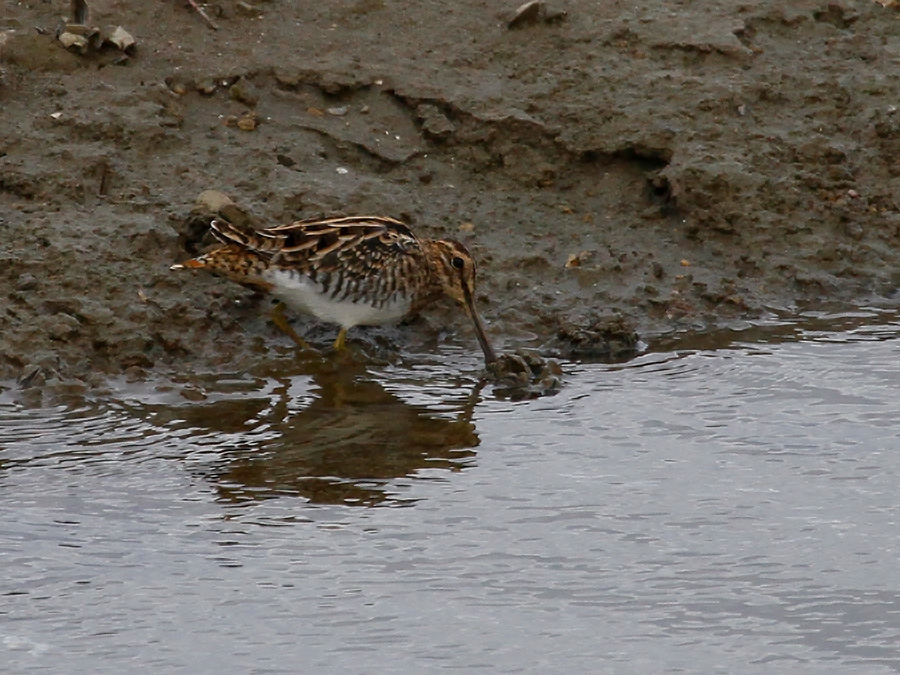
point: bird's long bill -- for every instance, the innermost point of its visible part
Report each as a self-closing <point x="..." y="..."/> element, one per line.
<point x="489" y="354"/>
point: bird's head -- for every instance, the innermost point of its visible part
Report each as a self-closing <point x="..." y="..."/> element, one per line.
<point x="455" y="269"/>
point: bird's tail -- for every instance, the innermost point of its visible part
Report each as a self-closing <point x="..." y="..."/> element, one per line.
<point x="226" y="233"/>
<point x="232" y="262"/>
<point x="192" y="264"/>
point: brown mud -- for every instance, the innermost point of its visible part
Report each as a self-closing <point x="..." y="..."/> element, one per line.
<point x="676" y="165"/>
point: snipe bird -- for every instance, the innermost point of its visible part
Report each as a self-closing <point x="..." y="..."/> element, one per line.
<point x="351" y="271"/>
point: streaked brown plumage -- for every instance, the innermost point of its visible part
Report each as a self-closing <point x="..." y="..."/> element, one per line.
<point x="350" y="271"/>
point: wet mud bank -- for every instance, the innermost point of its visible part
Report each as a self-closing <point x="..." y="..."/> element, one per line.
<point x="660" y="168"/>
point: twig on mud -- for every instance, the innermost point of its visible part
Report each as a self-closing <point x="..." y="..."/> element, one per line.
<point x="203" y="15"/>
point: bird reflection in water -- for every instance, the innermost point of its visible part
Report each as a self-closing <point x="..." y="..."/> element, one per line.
<point x="345" y="447"/>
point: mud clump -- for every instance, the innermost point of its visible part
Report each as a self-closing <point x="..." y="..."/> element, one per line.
<point x="610" y="339"/>
<point x="524" y="374"/>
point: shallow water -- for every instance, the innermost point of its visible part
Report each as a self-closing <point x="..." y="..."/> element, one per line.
<point x="725" y="506"/>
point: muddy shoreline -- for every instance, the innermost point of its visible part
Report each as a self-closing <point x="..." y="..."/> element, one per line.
<point x="671" y="167"/>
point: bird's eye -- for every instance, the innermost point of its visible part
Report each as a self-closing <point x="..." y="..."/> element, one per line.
<point x="458" y="263"/>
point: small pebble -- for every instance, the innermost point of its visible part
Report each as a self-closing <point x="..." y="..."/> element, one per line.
<point x="244" y="92"/>
<point x="211" y="201"/>
<point x="285" y="160"/>
<point x="525" y="14"/>
<point x="247" y="9"/>
<point x="248" y="122"/>
<point x="122" y="40"/>
<point x="72" y="42"/>
<point x="27" y="282"/>
<point x="207" y="87"/>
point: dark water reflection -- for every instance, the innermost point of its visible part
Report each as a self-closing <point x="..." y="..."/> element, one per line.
<point x="344" y="444"/>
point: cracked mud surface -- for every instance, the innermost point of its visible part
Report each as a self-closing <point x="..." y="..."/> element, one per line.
<point x="678" y="165"/>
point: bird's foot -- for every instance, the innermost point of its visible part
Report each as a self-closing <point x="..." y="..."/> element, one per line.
<point x="340" y="343"/>
<point x="281" y="322"/>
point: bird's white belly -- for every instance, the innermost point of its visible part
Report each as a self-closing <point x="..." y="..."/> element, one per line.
<point x="299" y="293"/>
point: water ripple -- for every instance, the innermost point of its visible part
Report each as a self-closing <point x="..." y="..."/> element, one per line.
<point x="728" y="506"/>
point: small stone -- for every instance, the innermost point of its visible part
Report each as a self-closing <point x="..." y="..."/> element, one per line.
<point x="122" y="40"/>
<point x="526" y="14"/>
<point x="247" y="9"/>
<point x="244" y="92"/>
<point x="577" y="259"/>
<point x="178" y="85"/>
<point x="214" y="204"/>
<point x="27" y="282"/>
<point x="79" y="38"/>
<point x="533" y="12"/>
<point x="285" y="160"/>
<point x="211" y="201"/>
<point x="337" y="112"/>
<point x="76" y="43"/>
<point x="207" y="87"/>
<point x="248" y="122"/>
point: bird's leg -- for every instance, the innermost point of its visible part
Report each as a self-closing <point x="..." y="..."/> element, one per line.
<point x="282" y="324"/>
<point x="340" y="342"/>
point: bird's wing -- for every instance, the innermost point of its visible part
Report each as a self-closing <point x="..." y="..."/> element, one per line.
<point x="361" y="257"/>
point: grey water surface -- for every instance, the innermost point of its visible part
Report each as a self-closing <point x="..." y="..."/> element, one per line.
<point x="726" y="506"/>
